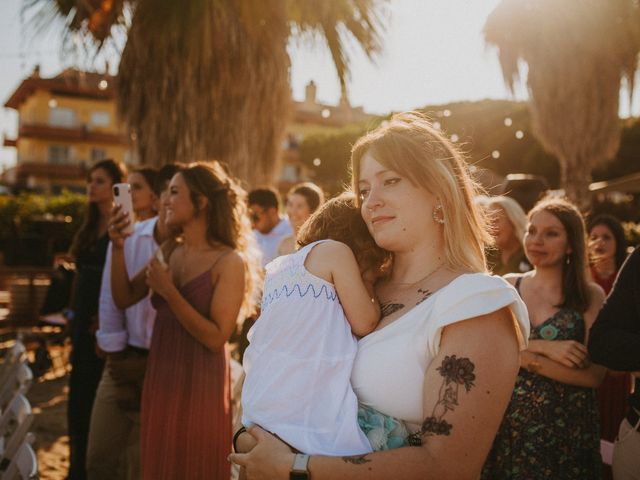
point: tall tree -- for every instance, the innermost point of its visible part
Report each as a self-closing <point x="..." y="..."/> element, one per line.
<point x="577" y="53"/>
<point x="203" y="79"/>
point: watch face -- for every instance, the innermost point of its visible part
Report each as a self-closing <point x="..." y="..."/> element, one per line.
<point x="299" y="468"/>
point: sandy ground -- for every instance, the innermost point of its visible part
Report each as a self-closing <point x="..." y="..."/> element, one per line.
<point x="48" y="399"/>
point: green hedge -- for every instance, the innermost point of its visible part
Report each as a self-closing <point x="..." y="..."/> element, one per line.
<point x="20" y="215"/>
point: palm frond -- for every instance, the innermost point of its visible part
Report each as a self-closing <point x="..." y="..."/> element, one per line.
<point x="339" y="22"/>
<point x="577" y="53"/>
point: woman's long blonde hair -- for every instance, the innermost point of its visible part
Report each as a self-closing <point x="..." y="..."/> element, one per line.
<point x="409" y="145"/>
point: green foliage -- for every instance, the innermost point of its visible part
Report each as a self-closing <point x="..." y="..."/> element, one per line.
<point x="19" y="214"/>
<point x="333" y="150"/>
<point x="481" y="130"/>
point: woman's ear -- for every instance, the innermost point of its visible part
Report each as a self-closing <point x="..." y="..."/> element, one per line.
<point x="202" y="202"/>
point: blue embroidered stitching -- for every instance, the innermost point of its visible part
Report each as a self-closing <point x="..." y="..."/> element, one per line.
<point x="276" y="294"/>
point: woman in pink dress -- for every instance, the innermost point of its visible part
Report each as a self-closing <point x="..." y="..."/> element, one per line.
<point x="199" y="293"/>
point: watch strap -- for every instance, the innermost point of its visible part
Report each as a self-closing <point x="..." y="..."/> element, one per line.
<point x="299" y="469"/>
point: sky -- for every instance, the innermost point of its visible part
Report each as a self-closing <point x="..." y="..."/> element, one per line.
<point x="433" y="53"/>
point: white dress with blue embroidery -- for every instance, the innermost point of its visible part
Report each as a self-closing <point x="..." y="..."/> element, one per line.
<point x="298" y="363"/>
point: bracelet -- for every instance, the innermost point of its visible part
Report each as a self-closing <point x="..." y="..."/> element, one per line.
<point x="534" y="366"/>
<point x="235" y="438"/>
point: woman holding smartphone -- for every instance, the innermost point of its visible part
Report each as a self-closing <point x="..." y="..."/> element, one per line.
<point x="200" y="288"/>
<point x="89" y="250"/>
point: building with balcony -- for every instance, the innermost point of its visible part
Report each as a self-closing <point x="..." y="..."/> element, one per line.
<point x="66" y="123"/>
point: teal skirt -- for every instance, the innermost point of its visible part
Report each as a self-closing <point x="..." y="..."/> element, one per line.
<point x="384" y="432"/>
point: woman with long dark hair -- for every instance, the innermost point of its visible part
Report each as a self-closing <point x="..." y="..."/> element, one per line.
<point x="201" y="286"/>
<point x="89" y="248"/>
<point x="550" y="429"/>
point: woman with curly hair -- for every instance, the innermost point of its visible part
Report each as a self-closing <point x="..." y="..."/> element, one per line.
<point x="201" y="286"/>
<point x="550" y="429"/>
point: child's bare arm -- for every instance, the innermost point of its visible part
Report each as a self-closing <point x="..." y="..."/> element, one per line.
<point x="336" y="260"/>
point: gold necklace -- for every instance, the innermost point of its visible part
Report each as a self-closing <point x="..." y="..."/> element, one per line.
<point x="423" y="279"/>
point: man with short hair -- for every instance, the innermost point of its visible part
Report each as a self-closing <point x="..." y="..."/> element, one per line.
<point x="125" y="336"/>
<point x="270" y="228"/>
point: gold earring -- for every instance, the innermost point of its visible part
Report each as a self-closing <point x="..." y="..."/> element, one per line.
<point x="438" y="214"/>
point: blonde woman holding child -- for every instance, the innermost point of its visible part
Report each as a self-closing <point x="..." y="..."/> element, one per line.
<point x="444" y="357"/>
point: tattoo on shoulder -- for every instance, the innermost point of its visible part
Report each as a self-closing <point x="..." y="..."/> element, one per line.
<point x="389" y="308"/>
<point x="456" y="373"/>
<point x="356" y="459"/>
<point x="425" y="294"/>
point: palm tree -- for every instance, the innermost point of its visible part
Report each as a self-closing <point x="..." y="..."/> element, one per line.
<point x="577" y="52"/>
<point x="204" y="79"/>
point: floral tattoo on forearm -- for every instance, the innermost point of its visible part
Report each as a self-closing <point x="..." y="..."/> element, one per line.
<point x="456" y="372"/>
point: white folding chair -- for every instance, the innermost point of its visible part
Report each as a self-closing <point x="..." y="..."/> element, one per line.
<point x="11" y="358"/>
<point x="24" y="377"/>
<point x="23" y="465"/>
<point x="18" y="380"/>
<point x="14" y="426"/>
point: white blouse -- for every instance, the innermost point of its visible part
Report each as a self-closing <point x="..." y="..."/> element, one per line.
<point x="391" y="363"/>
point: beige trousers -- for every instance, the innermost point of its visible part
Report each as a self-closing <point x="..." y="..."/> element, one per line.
<point x="626" y="453"/>
<point x="114" y="436"/>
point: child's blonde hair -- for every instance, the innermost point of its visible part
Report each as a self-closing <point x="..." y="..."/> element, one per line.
<point x="340" y="219"/>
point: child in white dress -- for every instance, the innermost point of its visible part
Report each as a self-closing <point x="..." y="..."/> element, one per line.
<point x="302" y="347"/>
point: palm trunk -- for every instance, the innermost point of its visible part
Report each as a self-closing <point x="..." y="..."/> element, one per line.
<point x="207" y="84"/>
<point x="575" y="179"/>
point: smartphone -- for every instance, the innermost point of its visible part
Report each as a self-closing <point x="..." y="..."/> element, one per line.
<point x="122" y="197"/>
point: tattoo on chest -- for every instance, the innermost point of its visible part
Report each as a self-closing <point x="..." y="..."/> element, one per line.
<point x="456" y="373"/>
<point x="425" y="294"/>
<point x="356" y="459"/>
<point x="389" y="308"/>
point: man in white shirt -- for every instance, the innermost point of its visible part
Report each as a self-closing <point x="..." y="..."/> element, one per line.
<point x="125" y="337"/>
<point x="270" y="228"/>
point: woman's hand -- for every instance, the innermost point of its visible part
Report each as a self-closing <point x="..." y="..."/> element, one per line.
<point x="569" y="353"/>
<point x="270" y="459"/>
<point x="159" y="278"/>
<point x="118" y="221"/>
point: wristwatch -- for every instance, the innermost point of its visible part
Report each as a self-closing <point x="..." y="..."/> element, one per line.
<point x="299" y="469"/>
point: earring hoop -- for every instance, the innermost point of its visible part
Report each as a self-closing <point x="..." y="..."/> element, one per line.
<point x="567" y="259"/>
<point x="438" y="214"/>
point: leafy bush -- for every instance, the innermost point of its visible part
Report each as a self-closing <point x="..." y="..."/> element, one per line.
<point x="24" y="214"/>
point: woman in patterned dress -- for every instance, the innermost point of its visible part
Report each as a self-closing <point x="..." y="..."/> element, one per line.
<point x="550" y="429"/>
